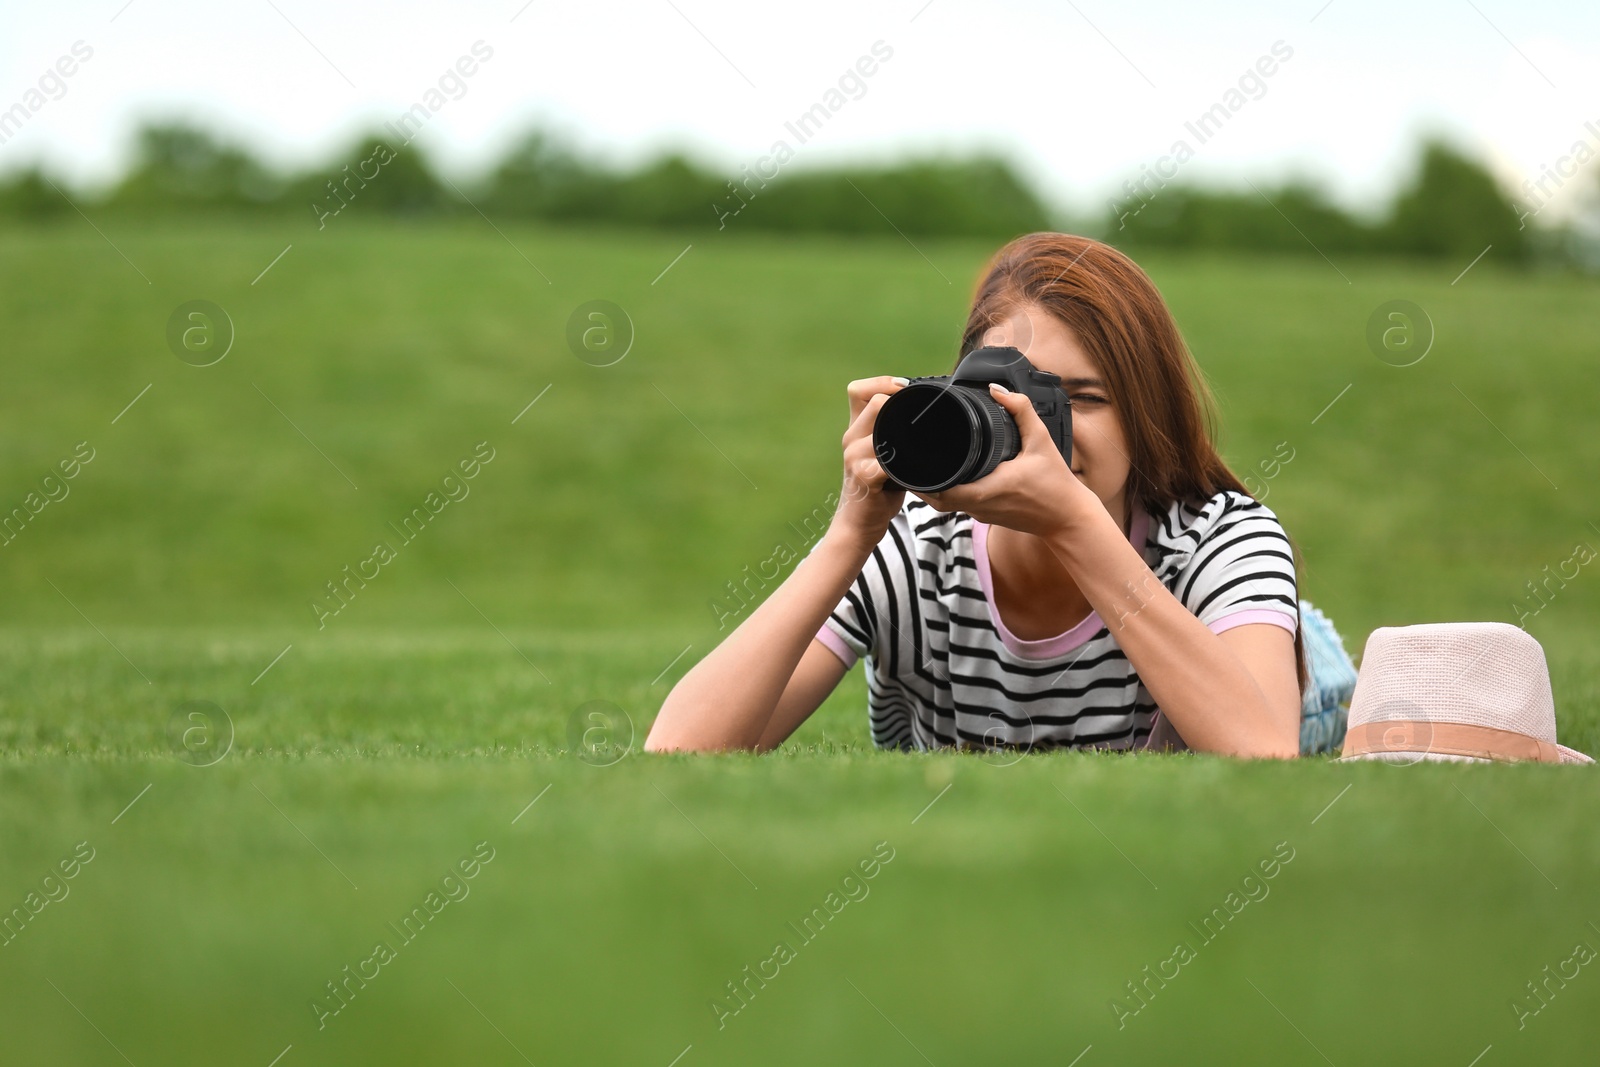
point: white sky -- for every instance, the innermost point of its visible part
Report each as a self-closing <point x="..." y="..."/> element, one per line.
<point x="1079" y="93"/>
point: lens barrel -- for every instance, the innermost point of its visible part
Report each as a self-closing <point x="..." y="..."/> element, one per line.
<point x="929" y="437"/>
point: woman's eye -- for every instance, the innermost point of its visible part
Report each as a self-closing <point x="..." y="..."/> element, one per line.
<point x="1088" y="398"/>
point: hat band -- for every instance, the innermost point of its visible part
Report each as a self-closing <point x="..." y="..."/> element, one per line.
<point x="1446" y="739"/>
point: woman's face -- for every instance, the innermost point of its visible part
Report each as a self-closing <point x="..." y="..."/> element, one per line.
<point x="1099" y="446"/>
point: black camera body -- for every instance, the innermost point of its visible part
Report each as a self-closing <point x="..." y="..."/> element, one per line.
<point x="944" y="431"/>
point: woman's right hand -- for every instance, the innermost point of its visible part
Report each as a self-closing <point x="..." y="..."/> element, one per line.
<point x="865" y="506"/>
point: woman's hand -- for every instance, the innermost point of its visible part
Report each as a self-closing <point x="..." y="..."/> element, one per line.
<point x="1032" y="492"/>
<point x="865" y="506"/>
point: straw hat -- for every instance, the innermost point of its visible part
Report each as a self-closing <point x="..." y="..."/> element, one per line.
<point x="1463" y="691"/>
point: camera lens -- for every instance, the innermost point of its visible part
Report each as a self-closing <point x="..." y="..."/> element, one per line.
<point x="930" y="437"/>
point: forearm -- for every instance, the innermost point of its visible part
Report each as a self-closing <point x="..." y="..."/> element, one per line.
<point x="727" y="699"/>
<point x="1197" y="680"/>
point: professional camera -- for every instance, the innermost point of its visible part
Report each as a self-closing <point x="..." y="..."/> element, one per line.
<point x="944" y="431"/>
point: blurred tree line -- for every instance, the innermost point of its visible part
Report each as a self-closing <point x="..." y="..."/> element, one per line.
<point x="1452" y="207"/>
<point x="179" y="170"/>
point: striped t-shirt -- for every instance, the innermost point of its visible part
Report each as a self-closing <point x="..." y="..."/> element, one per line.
<point x="942" y="669"/>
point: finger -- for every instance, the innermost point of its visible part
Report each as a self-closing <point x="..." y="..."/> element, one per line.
<point x="862" y="466"/>
<point x="864" y="389"/>
<point x="1032" y="428"/>
<point x="870" y="474"/>
<point x="861" y="424"/>
<point x="862" y="460"/>
<point x="867" y="478"/>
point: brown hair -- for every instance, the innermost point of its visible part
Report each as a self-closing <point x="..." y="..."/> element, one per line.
<point x="1158" y="391"/>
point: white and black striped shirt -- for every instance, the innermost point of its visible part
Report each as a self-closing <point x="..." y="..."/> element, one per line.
<point x="942" y="669"/>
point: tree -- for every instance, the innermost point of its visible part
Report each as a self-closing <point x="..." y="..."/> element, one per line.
<point x="542" y="177"/>
<point x="29" y="195"/>
<point x="180" y="166"/>
<point x="1453" y="207"/>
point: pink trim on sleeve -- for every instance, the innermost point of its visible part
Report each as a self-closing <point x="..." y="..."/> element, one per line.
<point x="1249" y="615"/>
<point x="837" y="646"/>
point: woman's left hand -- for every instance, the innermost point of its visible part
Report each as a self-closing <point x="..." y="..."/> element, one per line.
<point x="1032" y="492"/>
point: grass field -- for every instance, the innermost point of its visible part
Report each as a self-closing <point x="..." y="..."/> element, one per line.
<point x="355" y="770"/>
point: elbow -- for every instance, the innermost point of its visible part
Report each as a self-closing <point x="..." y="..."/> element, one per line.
<point x="655" y="742"/>
<point x="678" y="733"/>
<point x="662" y="737"/>
<point x="1262" y="750"/>
<point x="666" y="741"/>
<point x="690" y="722"/>
<point x="1259" y="749"/>
<point x="1281" y="744"/>
<point x="1275" y="734"/>
<point x="672" y="725"/>
<point x="1286" y="739"/>
<point x="1276" y="744"/>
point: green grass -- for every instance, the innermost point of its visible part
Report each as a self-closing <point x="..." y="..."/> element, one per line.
<point x="427" y="714"/>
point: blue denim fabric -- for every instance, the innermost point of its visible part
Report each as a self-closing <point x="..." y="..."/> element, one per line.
<point x="1325" y="703"/>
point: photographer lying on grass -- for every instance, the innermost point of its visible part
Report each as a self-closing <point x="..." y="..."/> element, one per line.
<point x="1137" y="597"/>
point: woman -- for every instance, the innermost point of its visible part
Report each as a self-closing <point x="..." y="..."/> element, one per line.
<point x="1138" y="598"/>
